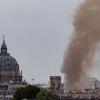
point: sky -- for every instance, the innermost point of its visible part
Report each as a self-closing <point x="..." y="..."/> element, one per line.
<point x="37" y="33"/>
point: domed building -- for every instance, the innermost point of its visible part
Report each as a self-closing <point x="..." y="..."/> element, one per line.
<point x="9" y="68"/>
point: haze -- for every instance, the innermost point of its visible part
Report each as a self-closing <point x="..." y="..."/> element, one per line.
<point x="37" y="34"/>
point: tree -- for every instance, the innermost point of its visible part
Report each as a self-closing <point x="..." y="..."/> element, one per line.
<point x="28" y="92"/>
<point x="45" y="95"/>
<point x="33" y="93"/>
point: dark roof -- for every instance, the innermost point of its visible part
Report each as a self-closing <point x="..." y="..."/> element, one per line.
<point x="7" y="62"/>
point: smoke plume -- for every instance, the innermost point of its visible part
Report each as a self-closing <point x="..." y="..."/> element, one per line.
<point x="82" y="47"/>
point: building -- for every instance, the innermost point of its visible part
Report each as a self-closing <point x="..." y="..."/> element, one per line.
<point x="93" y="83"/>
<point x="10" y="74"/>
<point x="43" y="85"/>
<point x="7" y="90"/>
<point x="55" y="83"/>
<point x="9" y="68"/>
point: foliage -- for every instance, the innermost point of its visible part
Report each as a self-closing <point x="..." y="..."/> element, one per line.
<point x="45" y="95"/>
<point x="28" y="92"/>
<point x="33" y="93"/>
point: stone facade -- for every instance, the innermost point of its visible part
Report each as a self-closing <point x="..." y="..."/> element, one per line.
<point x="55" y="83"/>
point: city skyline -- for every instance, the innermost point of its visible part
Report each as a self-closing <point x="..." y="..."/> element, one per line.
<point x="37" y="34"/>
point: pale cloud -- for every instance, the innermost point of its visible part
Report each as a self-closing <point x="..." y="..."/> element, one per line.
<point x="28" y="5"/>
<point x="20" y="5"/>
<point x="37" y="32"/>
<point x="7" y="3"/>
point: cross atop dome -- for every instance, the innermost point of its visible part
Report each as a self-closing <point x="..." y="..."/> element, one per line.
<point x="3" y="38"/>
<point x="3" y="47"/>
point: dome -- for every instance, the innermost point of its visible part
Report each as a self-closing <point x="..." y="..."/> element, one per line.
<point x="9" y="68"/>
<point x="7" y="62"/>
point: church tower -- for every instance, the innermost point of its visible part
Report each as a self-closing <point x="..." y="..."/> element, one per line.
<point x="9" y="68"/>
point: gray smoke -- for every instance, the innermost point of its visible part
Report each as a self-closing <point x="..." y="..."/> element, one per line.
<point x="82" y="47"/>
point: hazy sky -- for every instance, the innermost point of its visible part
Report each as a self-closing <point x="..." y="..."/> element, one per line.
<point x="37" y="34"/>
